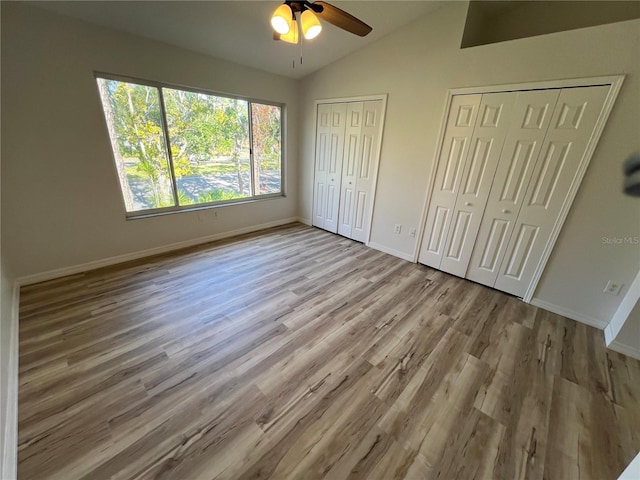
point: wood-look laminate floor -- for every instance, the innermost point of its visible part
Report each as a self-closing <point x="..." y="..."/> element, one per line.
<point x="295" y="354"/>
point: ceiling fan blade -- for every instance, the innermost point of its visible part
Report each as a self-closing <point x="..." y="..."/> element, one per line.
<point x="341" y="19"/>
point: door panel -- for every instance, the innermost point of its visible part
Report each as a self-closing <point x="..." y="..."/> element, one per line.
<point x="323" y="131"/>
<point x="524" y="240"/>
<point x="365" y="167"/>
<point x="531" y="118"/>
<point x="334" y="165"/>
<point x="477" y="177"/>
<point x="460" y="231"/>
<point x="333" y="197"/>
<point x="367" y="156"/>
<point x="441" y="218"/>
<point x="495" y="241"/>
<point x="572" y="125"/>
<point x="457" y="137"/>
<point x="359" y="220"/>
<point x="547" y="176"/>
<point x="352" y="151"/>
<point x="453" y="164"/>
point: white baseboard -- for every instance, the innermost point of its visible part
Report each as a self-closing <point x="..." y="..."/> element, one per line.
<point x="391" y="251"/>
<point x="609" y="337"/>
<point x="8" y="469"/>
<point x="593" y="322"/>
<point x="306" y="221"/>
<point x="565" y="312"/>
<point x="83" y="267"/>
<point x="632" y="472"/>
<point x="623" y="312"/>
<point x="624" y="349"/>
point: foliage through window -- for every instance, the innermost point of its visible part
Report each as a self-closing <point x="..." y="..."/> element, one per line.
<point x="175" y="148"/>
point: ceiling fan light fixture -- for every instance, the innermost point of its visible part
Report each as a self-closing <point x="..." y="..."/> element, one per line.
<point x="311" y="26"/>
<point x="292" y="36"/>
<point x="281" y="20"/>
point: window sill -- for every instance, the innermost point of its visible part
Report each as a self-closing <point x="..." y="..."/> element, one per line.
<point x="195" y="208"/>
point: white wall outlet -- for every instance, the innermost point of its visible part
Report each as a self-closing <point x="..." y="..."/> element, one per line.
<point x="397" y="229"/>
<point x="207" y="215"/>
<point x="412" y="232"/>
<point x="612" y="288"/>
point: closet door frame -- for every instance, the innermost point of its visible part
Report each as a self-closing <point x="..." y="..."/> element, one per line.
<point x="365" y="98"/>
<point x="613" y="81"/>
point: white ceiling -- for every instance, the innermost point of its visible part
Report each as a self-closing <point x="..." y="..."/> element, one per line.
<point x="240" y="31"/>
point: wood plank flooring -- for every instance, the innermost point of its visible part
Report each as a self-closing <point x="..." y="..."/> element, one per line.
<point x="298" y="354"/>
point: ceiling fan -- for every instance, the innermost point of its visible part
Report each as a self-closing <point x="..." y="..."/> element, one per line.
<point x="285" y="22"/>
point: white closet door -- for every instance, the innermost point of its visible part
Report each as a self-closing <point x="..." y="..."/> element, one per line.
<point x="455" y="146"/>
<point x="572" y="125"/>
<point x="493" y="121"/>
<point x="530" y="120"/>
<point x="329" y="154"/>
<point x="323" y="133"/>
<point x="367" y="165"/>
<point x="352" y="152"/>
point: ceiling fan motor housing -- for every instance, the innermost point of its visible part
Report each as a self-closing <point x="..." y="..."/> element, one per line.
<point x="300" y="6"/>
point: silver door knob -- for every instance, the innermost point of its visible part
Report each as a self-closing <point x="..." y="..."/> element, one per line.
<point x="332" y="179"/>
<point x="349" y="183"/>
<point x="504" y="210"/>
<point x="468" y="204"/>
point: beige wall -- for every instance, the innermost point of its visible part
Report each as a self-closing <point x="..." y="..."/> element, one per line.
<point x="497" y="21"/>
<point x="62" y="205"/>
<point x="61" y="200"/>
<point x="417" y="65"/>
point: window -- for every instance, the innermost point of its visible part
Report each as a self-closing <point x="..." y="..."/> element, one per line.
<point x="175" y="149"/>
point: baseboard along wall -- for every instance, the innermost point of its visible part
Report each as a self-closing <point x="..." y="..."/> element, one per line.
<point x="565" y="312"/>
<point x="84" y="267"/>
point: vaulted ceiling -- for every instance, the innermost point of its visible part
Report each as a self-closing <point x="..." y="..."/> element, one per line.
<point x="240" y="31"/>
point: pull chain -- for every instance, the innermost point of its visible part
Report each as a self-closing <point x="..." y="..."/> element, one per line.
<point x="300" y="39"/>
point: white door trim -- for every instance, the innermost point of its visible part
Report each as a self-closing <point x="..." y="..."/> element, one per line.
<point x="361" y="98"/>
<point x="565" y="83"/>
<point x="364" y="98"/>
<point x="614" y="82"/>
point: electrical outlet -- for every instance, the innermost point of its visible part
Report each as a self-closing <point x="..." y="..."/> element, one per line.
<point x="412" y="232"/>
<point x="612" y="288"/>
<point x="397" y="229"/>
<point x="207" y="215"/>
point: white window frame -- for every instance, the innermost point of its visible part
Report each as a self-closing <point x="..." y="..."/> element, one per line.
<point x="152" y="212"/>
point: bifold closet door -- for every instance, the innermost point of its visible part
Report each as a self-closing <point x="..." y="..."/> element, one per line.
<point x="461" y="120"/>
<point x="572" y="126"/>
<point x="331" y="122"/>
<point x="493" y="121"/>
<point x="530" y="120"/>
<point x="352" y="152"/>
<point x="362" y="140"/>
